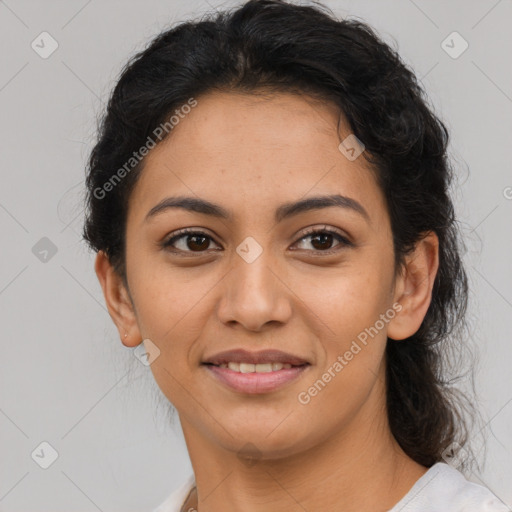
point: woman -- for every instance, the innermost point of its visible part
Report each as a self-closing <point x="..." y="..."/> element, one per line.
<point x="268" y="199"/>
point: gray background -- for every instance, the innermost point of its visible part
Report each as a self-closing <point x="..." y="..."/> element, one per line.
<point x="65" y="377"/>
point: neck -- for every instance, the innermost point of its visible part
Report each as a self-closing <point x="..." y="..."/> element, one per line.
<point x="360" y="467"/>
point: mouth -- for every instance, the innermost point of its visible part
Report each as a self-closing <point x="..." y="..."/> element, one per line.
<point x="255" y="372"/>
<point x="256" y="368"/>
<point x="246" y="359"/>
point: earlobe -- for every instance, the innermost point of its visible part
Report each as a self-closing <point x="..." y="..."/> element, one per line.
<point x="413" y="287"/>
<point x="118" y="301"/>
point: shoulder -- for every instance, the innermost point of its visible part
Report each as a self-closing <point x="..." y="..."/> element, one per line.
<point x="174" y="501"/>
<point x="444" y="488"/>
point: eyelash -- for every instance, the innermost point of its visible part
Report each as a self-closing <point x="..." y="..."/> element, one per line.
<point x="344" y="242"/>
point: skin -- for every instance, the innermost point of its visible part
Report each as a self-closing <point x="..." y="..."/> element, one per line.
<point x="250" y="155"/>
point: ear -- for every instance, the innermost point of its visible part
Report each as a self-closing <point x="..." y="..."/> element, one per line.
<point x="413" y="287"/>
<point x="118" y="300"/>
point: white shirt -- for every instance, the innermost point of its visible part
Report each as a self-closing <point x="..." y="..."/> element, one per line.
<point x="441" y="489"/>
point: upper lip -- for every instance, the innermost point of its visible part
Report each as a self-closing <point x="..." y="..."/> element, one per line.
<point x="263" y="356"/>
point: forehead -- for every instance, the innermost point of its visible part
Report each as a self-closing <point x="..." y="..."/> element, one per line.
<point x="251" y="149"/>
<point x="244" y="124"/>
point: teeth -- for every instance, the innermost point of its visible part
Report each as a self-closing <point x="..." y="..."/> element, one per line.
<point x="247" y="368"/>
<point x="255" y="368"/>
<point x="264" y="368"/>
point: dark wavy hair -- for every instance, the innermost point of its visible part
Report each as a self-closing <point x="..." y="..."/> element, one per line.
<point x="276" y="46"/>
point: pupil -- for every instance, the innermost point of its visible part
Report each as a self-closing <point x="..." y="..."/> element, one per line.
<point x="196" y="237"/>
<point x="323" y="237"/>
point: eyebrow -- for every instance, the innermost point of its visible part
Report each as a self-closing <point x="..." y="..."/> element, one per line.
<point x="284" y="211"/>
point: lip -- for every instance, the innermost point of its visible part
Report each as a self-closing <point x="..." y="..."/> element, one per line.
<point x="255" y="383"/>
<point x="262" y="356"/>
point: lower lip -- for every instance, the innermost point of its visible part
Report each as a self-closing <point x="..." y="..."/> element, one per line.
<point x="254" y="382"/>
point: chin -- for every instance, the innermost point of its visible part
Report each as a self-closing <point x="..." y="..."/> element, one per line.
<point x="266" y="442"/>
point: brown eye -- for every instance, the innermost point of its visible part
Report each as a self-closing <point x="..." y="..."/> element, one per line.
<point x="322" y="241"/>
<point x="197" y="242"/>
<point x="188" y="241"/>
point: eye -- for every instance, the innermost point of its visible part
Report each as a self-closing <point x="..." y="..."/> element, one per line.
<point x="189" y="240"/>
<point x="323" y="238"/>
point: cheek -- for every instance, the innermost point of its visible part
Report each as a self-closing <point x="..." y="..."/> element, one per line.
<point x="167" y="295"/>
<point x="346" y="299"/>
<point x="347" y="304"/>
<point x="352" y="338"/>
<point x="172" y="308"/>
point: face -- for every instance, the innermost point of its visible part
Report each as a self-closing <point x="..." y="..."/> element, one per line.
<point x="257" y="278"/>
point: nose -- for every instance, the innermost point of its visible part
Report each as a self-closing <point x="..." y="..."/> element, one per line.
<point x="254" y="295"/>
